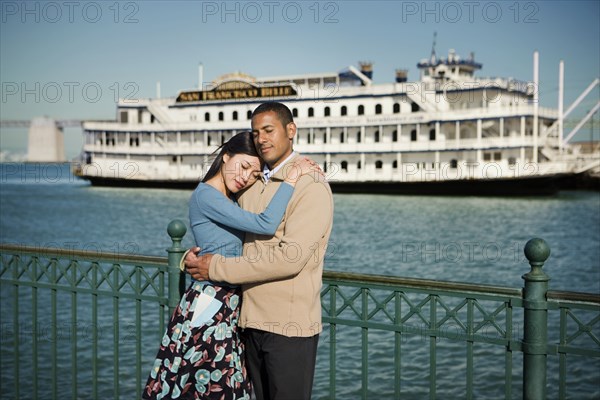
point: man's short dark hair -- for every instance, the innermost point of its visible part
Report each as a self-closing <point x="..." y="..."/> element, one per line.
<point x="283" y="113"/>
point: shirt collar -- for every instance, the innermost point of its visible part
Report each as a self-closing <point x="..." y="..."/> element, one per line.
<point x="268" y="173"/>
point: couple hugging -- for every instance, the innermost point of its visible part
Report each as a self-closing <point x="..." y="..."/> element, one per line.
<point x="251" y="318"/>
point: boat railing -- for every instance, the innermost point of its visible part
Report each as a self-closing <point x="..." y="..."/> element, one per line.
<point x="185" y="148"/>
<point x="452" y="115"/>
<point x="469" y="83"/>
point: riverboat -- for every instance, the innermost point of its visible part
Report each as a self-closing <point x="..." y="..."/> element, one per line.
<point x="449" y="132"/>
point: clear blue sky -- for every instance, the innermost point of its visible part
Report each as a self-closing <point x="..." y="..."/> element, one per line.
<point x="56" y="55"/>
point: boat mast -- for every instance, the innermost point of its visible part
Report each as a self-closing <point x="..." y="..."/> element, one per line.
<point x="200" y="75"/>
<point x="433" y="57"/>
<point x="561" y="79"/>
<point x="536" y="86"/>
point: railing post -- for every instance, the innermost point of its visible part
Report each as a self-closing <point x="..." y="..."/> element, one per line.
<point x="535" y="337"/>
<point x="176" y="231"/>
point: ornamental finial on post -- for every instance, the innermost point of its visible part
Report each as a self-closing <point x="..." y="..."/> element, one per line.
<point x="176" y="231"/>
<point x="537" y="252"/>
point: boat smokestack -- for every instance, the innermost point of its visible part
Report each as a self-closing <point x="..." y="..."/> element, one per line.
<point x="366" y="68"/>
<point x="401" y="75"/>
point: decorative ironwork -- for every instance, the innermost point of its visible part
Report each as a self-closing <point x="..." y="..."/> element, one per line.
<point x="50" y="294"/>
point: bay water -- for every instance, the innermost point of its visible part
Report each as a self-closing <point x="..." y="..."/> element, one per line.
<point x="465" y="239"/>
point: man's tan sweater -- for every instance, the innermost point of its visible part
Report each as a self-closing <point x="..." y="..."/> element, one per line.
<point x="281" y="276"/>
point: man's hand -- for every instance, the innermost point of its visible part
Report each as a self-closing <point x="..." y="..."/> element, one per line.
<point x="197" y="266"/>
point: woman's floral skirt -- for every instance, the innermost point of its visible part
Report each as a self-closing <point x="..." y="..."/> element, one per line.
<point x="201" y="359"/>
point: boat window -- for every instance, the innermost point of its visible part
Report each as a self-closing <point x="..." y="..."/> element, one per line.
<point x="342" y="137"/>
<point x="376" y="136"/>
<point x="249" y="114"/>
<point x="123" y="116"/>
<point x="453" y="163"/>
<point x="414" y="107"/>
<point x="512" y="161"/>
<point x="487" y="156"/>
<point x="378" y="164"/>
<point x="358" y="137"/>
<point x="432" y="134"/>
<point x="344" y="110"/>
<point x="413" y="135"/>
<point x="311" y="112"/>
<point x="134" y="141"/>
<point x="110" y="140"/>
<point x="378" y="109"/>
<point x="234" y="116"/>
<point x="396" y="108"/>
<point x="208" y="140"/>
<point x="497" y="156"/>
<point x="361" y="109"/>
<point x="295" y="112"/>
<point x="358" y="165"/>
<point x="395" y="136"/>
<point x="221" y="116"/>
<point x="325" y="166"/>
<point x="327" y="111"/>
<point x="344" y="166"/>
<point x="308" y="138"/>
<point x="207" y="117"/>
<point x="395" y="164"/>
<point x="325" y="137"/>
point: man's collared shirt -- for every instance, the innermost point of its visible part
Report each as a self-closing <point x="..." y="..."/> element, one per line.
<point x="268" y="173"/>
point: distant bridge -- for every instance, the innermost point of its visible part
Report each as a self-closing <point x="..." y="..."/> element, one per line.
<point x="22" y="123"/>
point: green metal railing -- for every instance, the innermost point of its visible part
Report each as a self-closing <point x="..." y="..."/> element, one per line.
<point x="54" y="302"/>
<point x="41" y="285"/>
<point x="512" y="320"/>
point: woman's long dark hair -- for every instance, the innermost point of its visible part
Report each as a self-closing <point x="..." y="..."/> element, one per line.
<point x="242" y="143"/>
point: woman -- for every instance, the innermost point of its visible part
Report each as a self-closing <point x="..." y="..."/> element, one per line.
<point x="201" y="355"/>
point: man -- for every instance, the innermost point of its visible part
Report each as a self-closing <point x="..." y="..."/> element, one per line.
<point x="281" y="276"/>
